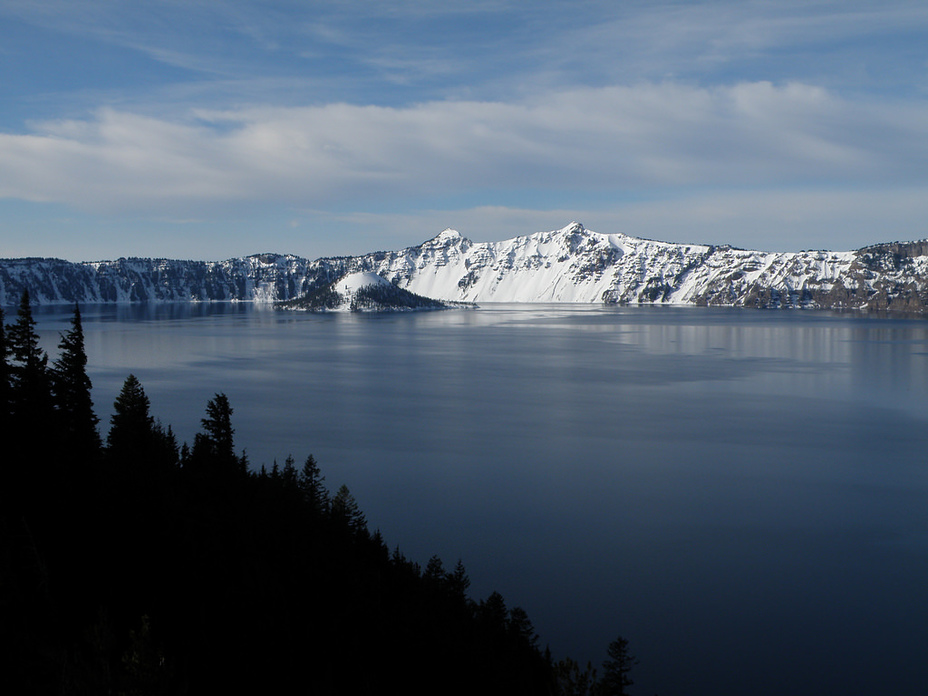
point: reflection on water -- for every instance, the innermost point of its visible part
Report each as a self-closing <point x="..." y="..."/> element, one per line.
<point x="740" y="493"/>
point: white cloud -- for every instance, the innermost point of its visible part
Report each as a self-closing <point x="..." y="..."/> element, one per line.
<point x="616" y="139"/>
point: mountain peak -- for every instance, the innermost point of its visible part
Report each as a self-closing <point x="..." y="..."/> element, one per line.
<point x="445" y="238"/>
<point x="573" y="228"/>
<point x="448" y="235"/>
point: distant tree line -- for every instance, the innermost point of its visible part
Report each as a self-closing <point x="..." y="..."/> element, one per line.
<point x="135" y="565"/>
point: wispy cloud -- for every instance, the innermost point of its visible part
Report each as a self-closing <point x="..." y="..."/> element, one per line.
<point x="617" y="139"/>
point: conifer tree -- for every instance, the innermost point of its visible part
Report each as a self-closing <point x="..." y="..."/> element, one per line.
<point x="493" y="611"/>
<point x="215" y="446"/>
<point x="616" y="669"/>
<point x="435" y="571"/>
<point x="218" y="424"/>
<point x="5" y="375"/>
<point x="31" y="392"/>
<point x="71" y="387"/>
<point x="346" y="510"/>
<point x="131" y="425"/>
<point x="24" y="341"/>
<point x="312" y="487"/>
<point x="520" y="626"/>
<point x="288" y="474"/>
<point x="458" y="582"/>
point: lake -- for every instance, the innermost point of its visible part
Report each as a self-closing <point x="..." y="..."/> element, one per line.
<point x="741" y="494"/>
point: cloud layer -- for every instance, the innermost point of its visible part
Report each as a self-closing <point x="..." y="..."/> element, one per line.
<point x="617" y="140"/>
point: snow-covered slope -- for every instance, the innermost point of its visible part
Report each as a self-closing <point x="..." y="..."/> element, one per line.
<point x="576" y="265"/>
<point x="353" y="282"/>
<point x="572" y="264"/>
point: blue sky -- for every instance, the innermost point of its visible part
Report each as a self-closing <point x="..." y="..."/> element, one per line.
<point x="215" y="129"/>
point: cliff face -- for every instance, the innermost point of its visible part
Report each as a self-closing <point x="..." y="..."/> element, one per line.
<point x="568" y="265"/>
<point x="260" y="278"/>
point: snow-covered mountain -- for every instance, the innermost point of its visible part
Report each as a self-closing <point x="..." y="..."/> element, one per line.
<point x="572" y="264"/>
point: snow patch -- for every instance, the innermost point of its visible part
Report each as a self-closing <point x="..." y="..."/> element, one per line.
<point x="353" y="282"/>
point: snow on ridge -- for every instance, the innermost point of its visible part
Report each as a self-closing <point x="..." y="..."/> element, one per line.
<point x="571" y="264"/>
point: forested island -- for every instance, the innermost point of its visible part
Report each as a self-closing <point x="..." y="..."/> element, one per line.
<point x="133" y="564"/>
<point x="364" y="292"/>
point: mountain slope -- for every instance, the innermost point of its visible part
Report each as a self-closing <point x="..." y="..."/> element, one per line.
<point x="572" y="264"/>
<point x="576" y="265"/>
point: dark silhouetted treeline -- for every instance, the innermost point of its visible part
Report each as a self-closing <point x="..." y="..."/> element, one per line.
<point x="134" y="565"/>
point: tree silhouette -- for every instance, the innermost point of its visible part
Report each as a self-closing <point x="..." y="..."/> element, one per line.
<point x="24" y="341"/>
<point x="458" y="582"/>
<point x="312" y="487"/>
<point x="493" y="611"/>
<point x="71" y="388"/>
<point x="574" y="681"/>
<point x="30" y="383"/>
<point x="131" y="425"/>
<point x="616" y="669"/>
<point x="521" y="627"/>
<point x="5" y="376"/>
<point x="213" y="449"/>
<point x="345" y="510"/>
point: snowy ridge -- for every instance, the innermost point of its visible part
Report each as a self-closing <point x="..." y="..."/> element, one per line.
<point x="572" y="264"/>
<point x="576" y="265"/>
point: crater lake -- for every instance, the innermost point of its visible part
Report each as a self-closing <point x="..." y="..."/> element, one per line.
<point x="741" y="494"/>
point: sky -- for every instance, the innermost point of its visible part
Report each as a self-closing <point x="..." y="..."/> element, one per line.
<point x="208" y="130"/>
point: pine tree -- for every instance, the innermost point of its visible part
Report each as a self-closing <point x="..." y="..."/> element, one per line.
<point x="31" y="391"/>
<point x="215" y="445"/>
<point x="288" y="474"/>
<point x="521" y="627"/>
<point x="616" y="669"/>
<point x="435" y="571"/>
<point x="458" y="582"/>
<point x="5" y="376"/>
<point x="218" y="424"/>
<point x="312" y="487"/>
<point x="71" y="388"/>
<point x="345" y="509"/>
<point x="24" y="341"/>
<point x="131" y="425"/>
<point x="493" y="612"/>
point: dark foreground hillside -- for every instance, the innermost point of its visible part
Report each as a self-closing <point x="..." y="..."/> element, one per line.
<point x="137" y="566"/>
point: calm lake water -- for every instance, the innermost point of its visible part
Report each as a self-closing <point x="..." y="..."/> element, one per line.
<point x="742" y="494"/>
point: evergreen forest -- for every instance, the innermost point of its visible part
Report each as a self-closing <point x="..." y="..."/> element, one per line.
<point x="133" y="564"/>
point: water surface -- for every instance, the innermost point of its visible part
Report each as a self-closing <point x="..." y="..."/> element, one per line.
<point x="742" y="494"/>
